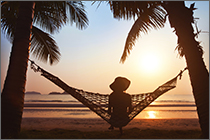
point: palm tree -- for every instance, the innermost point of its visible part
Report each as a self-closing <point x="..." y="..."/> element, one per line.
<point x="16" y="22"/>
<point x="153" y="14"/>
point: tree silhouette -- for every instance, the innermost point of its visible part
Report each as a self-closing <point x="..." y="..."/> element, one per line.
<point x="16" y="22"/>
<point x="152" y="15"/>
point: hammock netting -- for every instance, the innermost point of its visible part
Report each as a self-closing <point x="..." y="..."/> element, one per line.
<point x="98" y="103"/>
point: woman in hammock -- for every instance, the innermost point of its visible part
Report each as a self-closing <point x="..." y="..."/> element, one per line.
<point x="119" y="103"/>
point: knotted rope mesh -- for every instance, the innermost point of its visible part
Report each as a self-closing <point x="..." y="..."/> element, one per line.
<point x="98" y="103"/>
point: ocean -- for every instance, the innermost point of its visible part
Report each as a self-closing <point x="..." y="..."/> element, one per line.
<point x="65" y="106"/>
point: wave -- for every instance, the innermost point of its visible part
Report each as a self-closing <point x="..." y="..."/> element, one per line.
<point x="163" y="101"/>
<point x="49" y="101"/>
<point x="173" y="110"/>
<point x="179" y="101"/>
<point x="174" y="105"/>
<point x="55" y="109"/>
<point x="54" y="105"/>
<point x="81" y="105"/>
<point x="88" y="110"/>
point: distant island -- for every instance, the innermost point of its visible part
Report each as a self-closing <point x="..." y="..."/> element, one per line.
<point x="32" y="93"/>
<point x="54" y="93"/>
<point x="51" y="93"/>
<point x="58" y="93"/>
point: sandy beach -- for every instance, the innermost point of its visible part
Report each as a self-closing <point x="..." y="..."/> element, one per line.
<point x="101" y="125"/>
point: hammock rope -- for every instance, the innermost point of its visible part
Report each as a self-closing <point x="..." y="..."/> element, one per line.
<point x="98" y="103"/>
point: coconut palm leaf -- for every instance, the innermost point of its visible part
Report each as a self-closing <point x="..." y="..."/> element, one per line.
<point x="43" y="46"/>
<point x="8" y="19"/>
<point x="149" y="14"/>
<point x="77" y="14"/>
<point x="50" y="16"/>
<point x="130" y="9"/>
<point x="126" y="9"/>
<point x="153" y="18"/>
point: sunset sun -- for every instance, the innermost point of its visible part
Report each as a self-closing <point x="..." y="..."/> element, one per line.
<point x="149" y="63"/>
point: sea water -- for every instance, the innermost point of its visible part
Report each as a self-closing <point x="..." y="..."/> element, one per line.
<point x="65" y="106"/>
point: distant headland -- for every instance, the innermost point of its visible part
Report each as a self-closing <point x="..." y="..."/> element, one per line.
<point x="58" y="93"/>
<point x="51" y="93"/>
<point x="33" y="92"/>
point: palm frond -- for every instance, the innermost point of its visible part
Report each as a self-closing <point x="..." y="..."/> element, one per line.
<point x="9" y="13"/>
<point x="181" y="51"/>
<point x="50" y="16"/>
<point x="99" y="3"/>
<point x="149" y="14"/>
<point x="152" y="18"/>
<point x="77" y="14"/>
<point x="130" y="9"/>
<point x="43" y="47"/>
<point x="126" y="9"/>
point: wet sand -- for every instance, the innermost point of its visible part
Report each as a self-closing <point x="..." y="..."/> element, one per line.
<point x="101" y="125"/>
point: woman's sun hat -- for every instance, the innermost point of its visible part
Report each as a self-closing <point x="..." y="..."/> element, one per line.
<point x="120" y="84"/>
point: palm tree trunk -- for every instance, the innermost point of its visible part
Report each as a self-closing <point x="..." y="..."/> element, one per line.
<point x="181" y="19"/>
<point x="12" y="97"/>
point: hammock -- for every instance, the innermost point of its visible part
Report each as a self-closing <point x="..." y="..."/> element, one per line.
<point x="98" y="103"/>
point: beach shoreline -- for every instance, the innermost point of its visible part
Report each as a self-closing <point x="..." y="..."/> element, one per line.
<point x="101" y="125"/>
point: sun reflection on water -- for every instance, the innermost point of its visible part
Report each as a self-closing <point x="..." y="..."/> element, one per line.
<point x="151" y="114"/>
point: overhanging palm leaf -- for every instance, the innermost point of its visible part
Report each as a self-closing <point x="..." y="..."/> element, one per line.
<point x="127" y="9"/>
<point x="50" y="16"/>
<point x="8" y="19"/>
<point x="77" y="14"/>
<point x="149" y="14"/>
<point x="43" y="46"/>
<point x="154" y="17"/>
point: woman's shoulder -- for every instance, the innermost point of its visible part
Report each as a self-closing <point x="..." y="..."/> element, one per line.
<point x="112" y="94"/>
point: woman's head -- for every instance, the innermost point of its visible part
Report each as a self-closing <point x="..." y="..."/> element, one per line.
<point x="120" y="84"/>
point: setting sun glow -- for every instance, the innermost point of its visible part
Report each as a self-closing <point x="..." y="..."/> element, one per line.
<point x="149" y="63"/>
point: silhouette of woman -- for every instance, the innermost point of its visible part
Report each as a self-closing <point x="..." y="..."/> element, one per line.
<point x="119" y="103"/>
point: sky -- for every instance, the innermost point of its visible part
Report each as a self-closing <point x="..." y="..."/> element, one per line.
<point x="90" y="58"/>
